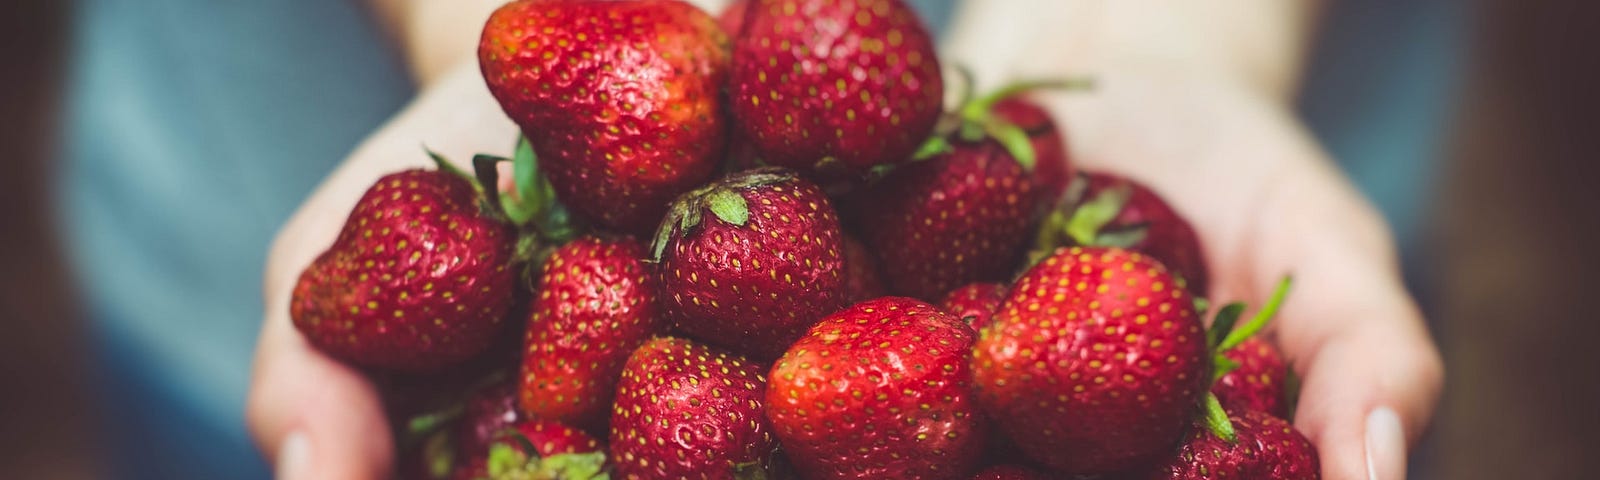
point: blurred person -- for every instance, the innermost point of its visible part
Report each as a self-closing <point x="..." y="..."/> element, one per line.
<point x="196" y="128"/>
<point x="1196" y="99"/>
<point x="192" y="130"/>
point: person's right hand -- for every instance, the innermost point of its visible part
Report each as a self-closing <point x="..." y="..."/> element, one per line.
<point x="317" y="417"/>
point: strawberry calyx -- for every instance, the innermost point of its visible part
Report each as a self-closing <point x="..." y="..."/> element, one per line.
<point x="543" y="222"/>
<point x="439" y="452"/>
<point x="485" y="205"/>
<point x="1225" y="334"/>
<point x="722" y="198"/>
<point x="751" y="470"/>
<point x="517" y="460"/>
<point x="974" y="121"/>
<point x="1078" y="221"/>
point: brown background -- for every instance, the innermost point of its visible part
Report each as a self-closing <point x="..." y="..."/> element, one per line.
<point x="46" y="432"/>
<point x="1515" y="239"/>
<point x="1520" y="251"/>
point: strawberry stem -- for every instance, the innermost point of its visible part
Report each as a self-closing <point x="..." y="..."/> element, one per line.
<point x="978" y="109"/>
<point x="444" y="164"/>
<point x="1259" y="321"/>
<point x="1216" y="419"/>
<point x="429" y="422"/>
<point x="1223" y="324"/>
<point x="935" y="146"/>
<point x="485" y="168"/>
<point x="1016" y="142"/>
<point x="1083" y="227"/>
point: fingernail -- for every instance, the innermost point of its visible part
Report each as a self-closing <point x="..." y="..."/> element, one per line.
<point x="294" y="457"/>
<point x="1386" y="446"/>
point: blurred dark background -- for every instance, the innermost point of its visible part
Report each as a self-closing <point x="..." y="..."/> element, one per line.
<point x="47" y="427"/>
<point x="1491" y="105"/>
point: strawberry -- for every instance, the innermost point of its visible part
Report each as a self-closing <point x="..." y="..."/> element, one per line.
<point x="419" y="278"/>
<point x="861" y="278"/>
<point x="1009" y="472"/>
<point x="956" y="218"/>
<point x="485" y="415"/>
<point x="1095" y="361"/>
<point x="1267" y="448"/>
<point x="750" y="261"/>
<point x="537" y="449"/>
<point x="975" y="303"/>
<point x="595" y="303"/>
<point x="1259" y="381"/>
<point x="878" y="390"/>
<point x="620" y="99"/>
<point x="1053" y="170"/>
<point x="834" y="85"/>
<point x="685" y="410"/>
<point x="1114" y="211"/>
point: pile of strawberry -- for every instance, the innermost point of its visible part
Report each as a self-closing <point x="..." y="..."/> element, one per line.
<point x="760" y="248"/>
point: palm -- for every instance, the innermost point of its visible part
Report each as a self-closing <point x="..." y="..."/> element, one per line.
<point x="1266" y="202"/>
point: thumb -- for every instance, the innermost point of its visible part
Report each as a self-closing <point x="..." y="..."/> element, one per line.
<point x="313" y="416"/>
<point x="1372" y="375"/>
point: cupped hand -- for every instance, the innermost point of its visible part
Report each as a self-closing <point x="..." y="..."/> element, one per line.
<point x="1223" y="145"/>
<point x="314" y="416"/>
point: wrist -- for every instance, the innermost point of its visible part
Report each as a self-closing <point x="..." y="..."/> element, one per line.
<point x="433" y="36"/>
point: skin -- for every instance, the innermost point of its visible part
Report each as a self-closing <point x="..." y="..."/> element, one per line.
<point x="1194" y="99"/>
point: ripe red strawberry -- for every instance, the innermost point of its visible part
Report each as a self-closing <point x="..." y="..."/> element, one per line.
<point x="861" y="278"/>
<point x="620" y="99"/>
<point x="596" y="302"/>
<point x="879" y="390"/>
<point x="418" y="279"/>
<point x="1010" y="472"/>
<point x="946" y="221"/>
<point x="834" y="85"/>
<point x="1095" y="362"/>
<point x="537" y="448"/>
<point x="685" y="410"/>
<point x="1115" y="211"/>
<point x="1259" y="381"/>
<point x="485" y="415"/>
<point x="1052" y="170"/>
<point x="750" y="261"/>
<point x="1268" y="448"/>
<point x="975" y="303"/>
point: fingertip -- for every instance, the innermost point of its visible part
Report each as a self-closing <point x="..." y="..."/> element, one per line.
<point x="1368" y="397"/>
<point x="314" y="417"/>
<point x="294" y="457"/>
<point x="1385" y="445"/>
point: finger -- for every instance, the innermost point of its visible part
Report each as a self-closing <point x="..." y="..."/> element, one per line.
<point x="313" y="416"/>
<point x="1372" y="374"/>
<point x="1368" y="394"/>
